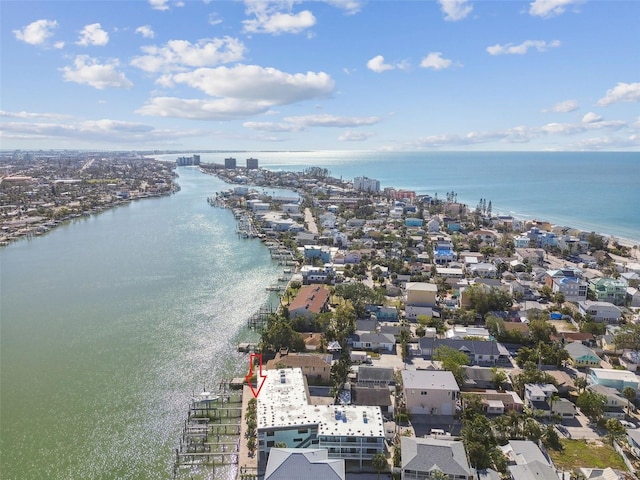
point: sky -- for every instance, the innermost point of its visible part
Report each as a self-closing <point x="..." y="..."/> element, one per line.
<point x="463" y="75"/>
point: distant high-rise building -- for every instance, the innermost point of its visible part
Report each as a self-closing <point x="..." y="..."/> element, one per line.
<point x="230" y="162"/>
<point x="188" y="161"/>
<point x="366" y="184"/>
<point x="252" y="163"/>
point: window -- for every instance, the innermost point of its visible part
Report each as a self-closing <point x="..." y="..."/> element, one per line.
<point x="270" y="443"/>
<point x="303" y="430"/>
<point x="270" y="434"/>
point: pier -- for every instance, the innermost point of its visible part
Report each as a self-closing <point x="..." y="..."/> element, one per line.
<point x="260" y="319"/>
<point x="211" y="433"/>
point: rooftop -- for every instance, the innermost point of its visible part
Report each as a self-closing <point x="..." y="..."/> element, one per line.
<point x="283" y="403"/>
<point x="427" y="379"/>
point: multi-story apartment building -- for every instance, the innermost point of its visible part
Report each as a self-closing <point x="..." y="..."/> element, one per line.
<point x="366" y="184"/>
<point x="285" y="417"/>
<point x="608" y="290"/>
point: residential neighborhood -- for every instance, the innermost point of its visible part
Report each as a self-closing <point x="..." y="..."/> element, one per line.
<point x="475" y="346"/>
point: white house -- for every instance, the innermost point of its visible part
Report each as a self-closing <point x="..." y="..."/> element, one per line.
<point x="430" y="392"/>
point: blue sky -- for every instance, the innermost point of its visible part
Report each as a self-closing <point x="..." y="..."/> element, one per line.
<point x="323" y="75"/>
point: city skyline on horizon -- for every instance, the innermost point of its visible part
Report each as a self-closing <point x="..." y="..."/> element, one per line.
<point x="446" y="75"/>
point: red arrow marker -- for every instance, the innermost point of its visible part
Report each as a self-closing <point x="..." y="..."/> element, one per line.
<point x="261" y="377"/>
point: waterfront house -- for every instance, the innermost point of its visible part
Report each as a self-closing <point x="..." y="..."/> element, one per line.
<point x="310" y="300"/>
<point x="305" y="462"/>
<point x="613" y="378"/>
<point x="316" y="367"/>
<point x="430" y="392"/>
<point x="581" y="356"/>
<point x="423" y="456"/>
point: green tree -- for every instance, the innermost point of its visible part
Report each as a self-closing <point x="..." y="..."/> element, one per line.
<point x="379" y="463"/>
<point x="581" y="383"/>
<point x="452" y="360"/>
<point x="499" y="378"/>
<point x="615" y="430"/>
<point x="592" y="404"/>
<point x="630" y="394"/>
<point x="628" y="337"/>
<point x="479" y="441"/>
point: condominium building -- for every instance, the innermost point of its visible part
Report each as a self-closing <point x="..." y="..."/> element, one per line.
<point x="285" y="417"/>
<point x="366" y="184"/>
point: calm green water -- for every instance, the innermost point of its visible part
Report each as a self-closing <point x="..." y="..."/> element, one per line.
<point x="109" y="324"/>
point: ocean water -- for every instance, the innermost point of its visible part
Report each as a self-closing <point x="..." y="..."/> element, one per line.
<point x="592" y="191"/>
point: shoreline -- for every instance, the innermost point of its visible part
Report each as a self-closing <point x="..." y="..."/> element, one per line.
<point x="631" y="244"/>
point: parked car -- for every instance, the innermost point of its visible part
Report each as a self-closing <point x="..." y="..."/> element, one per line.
<point x="628" y="424"/>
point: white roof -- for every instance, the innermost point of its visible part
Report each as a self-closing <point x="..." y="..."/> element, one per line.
<point x="283" y="403"/>
<point x="613" y="374"/>
<point x="429" y="380"/>
<point x="422" y="286"/>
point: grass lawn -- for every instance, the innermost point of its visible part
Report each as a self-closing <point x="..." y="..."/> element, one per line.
<point x="588" y="454"/>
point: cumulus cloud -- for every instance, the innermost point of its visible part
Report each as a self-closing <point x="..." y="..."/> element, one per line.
<point x="87" y="70"/>
<point x="521" y="49"/>
<point x="214" y="19"/>
<point x="549" y="8"/>
<point x="93" y="35"/>
<point x="202" y="109"/>
<point x="37" y="33"/>
<point x="269" y="19"/>
<point x="377" y="64"/>
<point x="159" y="4"/>
<point x="258" y="84"/>
<point x="435" y="61"/>
<point x="177" y="54"/>
<point x="566" y="106"/>
<point x="455" y="10"/>
<point x="350" y="7"/>
<point x="622" y="92"/>
<point x="591" y="117"/>
<point x="146" y="31"/>
<point x="355" y="136"/>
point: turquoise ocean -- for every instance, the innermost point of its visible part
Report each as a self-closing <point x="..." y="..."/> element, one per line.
<point x="110" y="323"/>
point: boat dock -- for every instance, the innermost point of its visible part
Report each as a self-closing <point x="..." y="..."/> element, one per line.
<point x="211" y="433"/>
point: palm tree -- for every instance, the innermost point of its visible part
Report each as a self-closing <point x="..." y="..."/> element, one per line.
<point x="580" y="383"/>
<point x="630" y="394"/>
<point x="379" y="462"/>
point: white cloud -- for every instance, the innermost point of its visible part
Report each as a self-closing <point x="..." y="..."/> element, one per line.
<point x="268" y="86"/>
<point x="331" y="121"/>
<point x="622" y="92"/>
<point x="268" y="19"/>
<point x="146" y="31"/>
<point x="298" y="123"/>
<point x="176" y="54"/>
<point x="111" y="132"/>
<point x="36" y="33"/>
<point x="350" y="7"/>
<point x="521" y="49"/>
<point x="93" y="35"/>
<point x="214" y="19"/>
<point x="377" y="64"/>
<point x="591" y="117"/>
<point x="549" y="8"/>
<point x="58" y="45"/>
<point x="87" y="70"/>
<point x="31" y="115"/>
<point x="355" y="136"/>
<point x="202" y="109"/>
<point x="435" y="61"/>
<point x="159" y="4"/>
<point x="455" y="10"/>
<point x="566" y="106"/>
<point x="271" y="126"/>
